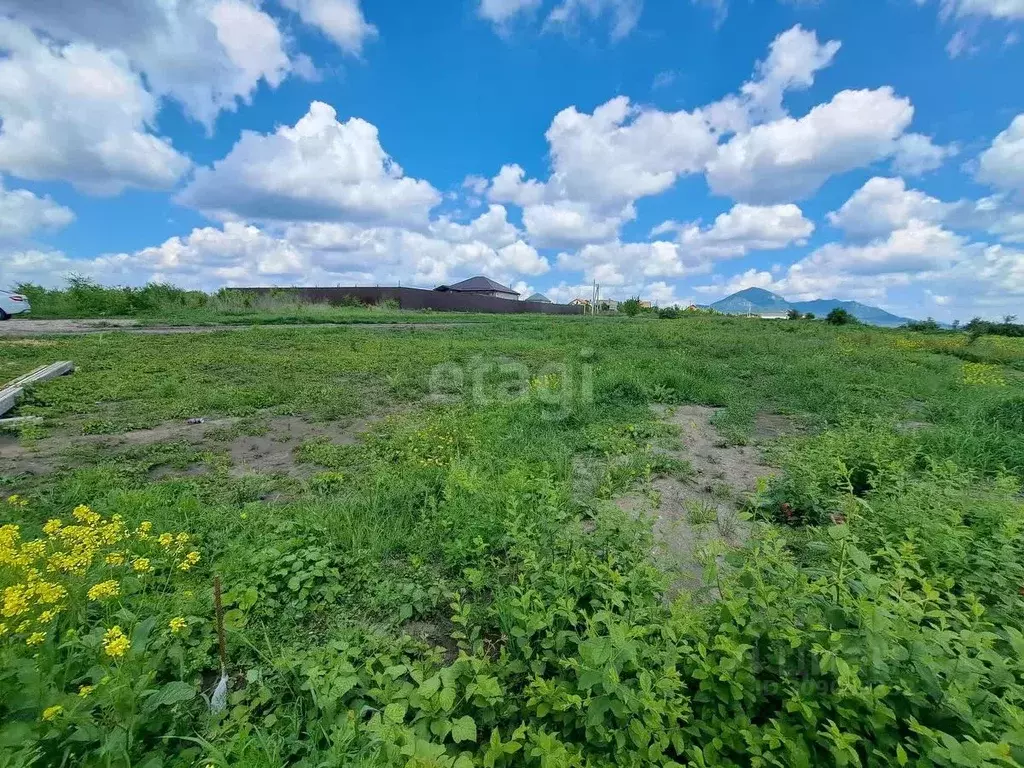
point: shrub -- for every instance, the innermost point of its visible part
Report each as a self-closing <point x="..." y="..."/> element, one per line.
<point x="631" y="306"/>
<point x="924" y="326"/>
<point x="840" y="316"/>
<point x="668" y="313"/>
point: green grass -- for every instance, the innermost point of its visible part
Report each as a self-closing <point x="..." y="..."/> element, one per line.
<point x="445" y="593"/>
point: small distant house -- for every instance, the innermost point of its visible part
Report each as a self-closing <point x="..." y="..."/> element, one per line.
<point x="578" y="302"/>
<point x="608" y="305"/>
<point x="481" y="286"/>
<point x="645" y="304"/>
<point x="540" y="298"/>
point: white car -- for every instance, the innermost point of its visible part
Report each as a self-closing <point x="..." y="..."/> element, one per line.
<point x="12" y="304"/>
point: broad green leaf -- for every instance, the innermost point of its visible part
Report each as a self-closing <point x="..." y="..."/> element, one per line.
<point x="464" y="729"/>
<point x="170" y="694"/>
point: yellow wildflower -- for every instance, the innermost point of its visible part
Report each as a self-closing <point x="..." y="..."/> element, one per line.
<point x="178" y="623"/>
<point x="190" y="559"/>
<point x="23" y="627"/>
<point x="51" y="713"/>
<point x="141" y="565"/>
<point x="47" y="616"/>
<point x="16" y="501"/>
<point x="115" y="644"/>
<point x="105" y="589"/>
<point x="85" y="690"/>
<point x="36" y="638"/>
<point x="48" y="593"/>
<point x="3" y="628"/>
<point x="115" y="558"/>
<point x="84" y="514"/>
<point x="52" y="526"/>
<point x="16" y="599"/>
<point x="165" y="539"/>
<point x="143" y="530"/>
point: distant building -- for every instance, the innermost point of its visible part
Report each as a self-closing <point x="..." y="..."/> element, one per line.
<point x="578" y="302"/>
<point x="608" y="305"/>
<point x="481" y="286"/>
<point x="645" y="304"/>
<point x="540" y="298"/>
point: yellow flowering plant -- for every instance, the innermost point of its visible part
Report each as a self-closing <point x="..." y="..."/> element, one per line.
<point x="75" y="609"/>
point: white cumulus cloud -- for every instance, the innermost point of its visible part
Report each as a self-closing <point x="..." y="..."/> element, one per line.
<point x="206" y="54"/>
<point x="789" y="159"/>
<point x="340" y="20"/>
<point x="320" y="169"/>
<point x="1002" y="164"/>
<point x="23" y="213"/>
<point x="78" y="113"/>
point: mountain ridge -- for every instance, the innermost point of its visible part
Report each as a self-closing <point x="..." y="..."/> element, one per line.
<point x="760" y="301"/>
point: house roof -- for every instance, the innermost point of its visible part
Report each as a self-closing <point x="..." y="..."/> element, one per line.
<point x="539" y="297"/>
<point x="481" y="283"/>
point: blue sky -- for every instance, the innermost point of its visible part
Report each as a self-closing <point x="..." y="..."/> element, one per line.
<point x="676" y="150"/>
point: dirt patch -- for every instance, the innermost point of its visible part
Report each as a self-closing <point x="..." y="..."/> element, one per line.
<point x="436" y="635"/>
<point x="698" y="521"/>
<point x="270" y="452"/>
<point x="164" y="471"/>
<point x="771" y="426"/>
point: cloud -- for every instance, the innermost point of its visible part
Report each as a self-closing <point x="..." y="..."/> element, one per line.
<point x="916" y="154"/>
<point x="624" y="14"/>
<point x="501" y="12"/>
<point x="340" y="20"/>
<point x="618" y="264"/>
<point x="22" y="214"/>
<point x="206" y="54"/>
<point x="1002" y="164"/>
<point x="883" y="205"/>
<point x="566" y="15"/>
<point x="569" y="224"/>
<point x="320" y="169"/>
<point x="793" y="59"/>
<point x="789" y="159"/>
<point x="241" y="254"/>
<point x="743" y="229"/>
<point x="77" y="113"/>
<point x="918" y="247"/>
<point x="491" y="228"/>
<point x="996" y="9"/>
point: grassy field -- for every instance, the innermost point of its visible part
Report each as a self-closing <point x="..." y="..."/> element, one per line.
<point x="430" y="556"/>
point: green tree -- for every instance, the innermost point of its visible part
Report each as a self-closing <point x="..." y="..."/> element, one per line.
<point x="840" y="316"/>
<point x="631" y="306"/>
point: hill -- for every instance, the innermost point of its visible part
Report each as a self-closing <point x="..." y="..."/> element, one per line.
<point x="752" y="300"/>
<point x="758" y="301"/>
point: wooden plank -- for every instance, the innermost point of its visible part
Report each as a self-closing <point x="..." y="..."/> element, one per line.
<point x="51" y="371"/>
<point x="10" y="394"/>
<point x="8" y="398"/>
<point x="21" y="378"/>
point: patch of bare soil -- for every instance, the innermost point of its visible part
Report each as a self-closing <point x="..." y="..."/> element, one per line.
<point x="699" y="520"/>
<point x="270" y="452"/>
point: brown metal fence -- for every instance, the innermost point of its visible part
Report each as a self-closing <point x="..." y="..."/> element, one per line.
<point x="416" y="298"/>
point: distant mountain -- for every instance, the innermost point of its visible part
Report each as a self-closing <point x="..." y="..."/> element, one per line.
<point x="863" y="312"/>
<point x="758" y="301"/>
